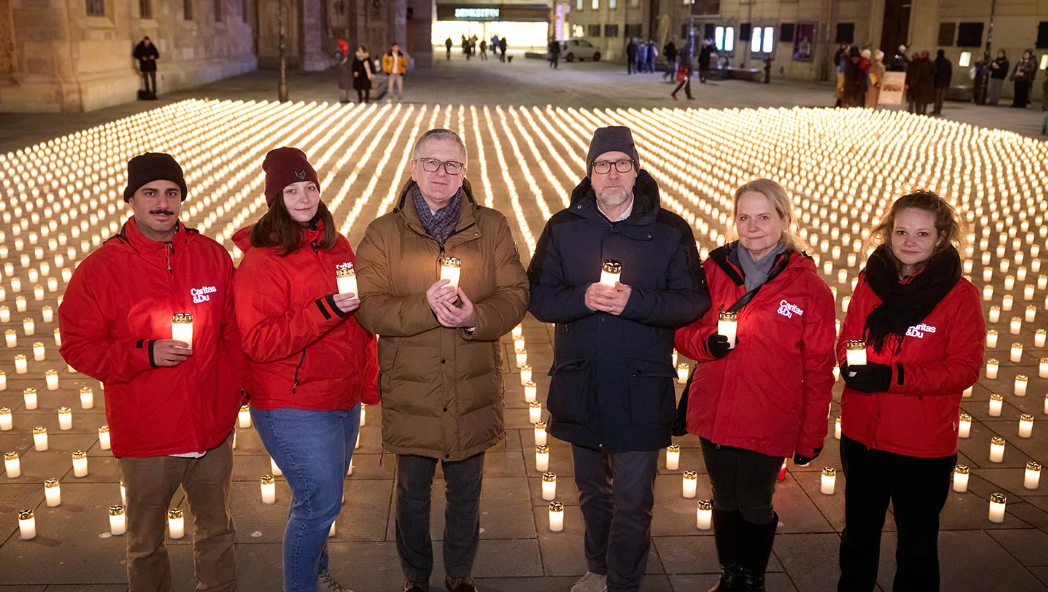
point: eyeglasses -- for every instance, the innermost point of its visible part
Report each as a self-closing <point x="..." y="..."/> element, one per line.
<point x="432" y="165"/>
<point x="603" y="167"/>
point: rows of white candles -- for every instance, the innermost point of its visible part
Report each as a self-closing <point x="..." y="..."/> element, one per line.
<point x="59" y="200"/>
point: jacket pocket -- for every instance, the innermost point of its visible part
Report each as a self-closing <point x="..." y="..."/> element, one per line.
<point x="569" y="391"/>
<point x="651" y="392"/>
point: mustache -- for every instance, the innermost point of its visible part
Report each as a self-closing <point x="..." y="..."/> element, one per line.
<point x="164" y="212"/>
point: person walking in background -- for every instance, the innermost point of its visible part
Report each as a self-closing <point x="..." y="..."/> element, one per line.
<point x="503" y="45"/>
<point x="465" y="46"/>
<point x="762" y="398"/>
<point x="943" y="78"/>
<point x="344" y="67"/>
<point x="651" y="53"/>
<point x="448" y="44"/>
<point x="1023" y="75"/>
<point x="853" y="79"/>
<point x="312" y="364"/>
<point x="874" y="80"/>
<point x="670" y="51"/>
<point x="705" y="55"/>
<point x="146" y="53"/>
<point x="395" y="64"/>
<point x="999" y="69"/>
<point x="441" y="363"/>
<point x="170" y="405"/>
<point x="483" y="50"/>
<point x="923" y="327"/>
<point x="683" y="74"/>
<point x="611" y="392"/>
<point x="554" y="53"/>
<point x="362" y="74"/>
<point x="864" y="73"/>
<point x="631" y="56"/>
<point x="1044" y="91"/>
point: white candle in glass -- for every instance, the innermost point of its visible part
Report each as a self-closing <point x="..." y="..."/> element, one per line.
<point x="988" y="293"/>
<point x="244" y="416"/>
<point x="525" y="375"/>
<point x="1016" y="326"/>
<point x="1006" y="302"/>
<point x="996" y="404"/>
<point x="556" y="516"/>
<point x="845" y="301"/>
<point x="829" y="480"/>
<point x="331" y="531"/>
<point x="11" y="336"/>
<point x="21" y="365"/>
<point x="269" y="489"/>
<point x="29" y="326"/>
<point x="1042" y="368"/>
<point x="682" y="373"/>
<point x="992" y="366"/>
<point x="704" y="515"/>
<point x="58" y="337"/>
<point x="995" y="314"/>
<point x="530" y="392"/>
<point x="117" y="520"/>
<point x="522" y="358"/>
<point x="540" y="433"/>
<point x="175" y="523"/>
<point x="52" y="493"/>
<point x="363" y="417"/>
<point x="517" y="332"/>
<point x="346" y="280"/>
<point x="40" y="439"/>
<point x="103" y="437"/>
<point x="182" y="328"/>
<point x="38" y="351"/>
<point x="672" y="457"/>
<point x="518" y="343"/>
<point x="674" y="356"/>
<point x="26" y="525"/>
<point x="451" y="269"/>
<point x="1016" y="352"/>
<point x="690" y="484"/>
<point x="123" y="493"/>
<point x="48" y="313"/>
<point x="1025" y="425"/>
<point x="960" y="478"/>
<point x="1031" y="314"/>
<point x="534" y="412"/>
<point x="12" y="465"/>
<point x="727" y="325"/>
<point x="968" y="391"/>
<point x="29" y="396"/>
<point x="1033" y="475"/>
<point x="542" y="458"/>
<point x="1021" y="381"/>
<point x="998" y="502"/>
<point x="51" y="380"/>
<point x="87" y="396"/>
<point x="996" y="449"/>
<point x="856" y="353"/>
<point x="65" y="418"/>
<point x="610" y="273"/>
<point x="837" y="428"/>
<point x="549" y="486"/>
<point x="6" y="420"/>
<point x="991" y="338"/>
<point x="5" y="313"/>
<point x="1028" y="292"/>
<point x="1039" y="338"/>
<point x="79" y="463"/>
<point x="275" y="470"/>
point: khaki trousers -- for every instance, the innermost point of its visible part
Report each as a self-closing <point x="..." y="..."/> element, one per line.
<point x="150" y="483"/>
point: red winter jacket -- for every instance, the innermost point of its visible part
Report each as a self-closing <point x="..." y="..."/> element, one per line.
<point x="772" y="392"/>
<point x="940" y="357"/>
<point x="118" y="302"/>
<point x="305" y="353"/>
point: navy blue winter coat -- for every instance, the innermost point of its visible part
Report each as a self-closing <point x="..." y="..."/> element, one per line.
<point x="612" y="376"/>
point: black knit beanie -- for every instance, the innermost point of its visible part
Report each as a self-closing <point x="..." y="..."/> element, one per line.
<point x="615" y="138"/>
<point x="153" y="166"/>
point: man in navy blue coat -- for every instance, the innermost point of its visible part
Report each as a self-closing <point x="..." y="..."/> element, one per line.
<point x="611" y="393"/>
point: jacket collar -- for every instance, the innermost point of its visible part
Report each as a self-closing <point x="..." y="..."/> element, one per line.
<point x="646" y="204"/>
<point x="406" y="208"/>
<point x="726" y="257"/>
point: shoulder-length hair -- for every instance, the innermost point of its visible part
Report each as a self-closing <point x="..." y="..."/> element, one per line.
<point x="278" y="229"/>
<point x="780" y="200"/>
<point x="950" y="226"/>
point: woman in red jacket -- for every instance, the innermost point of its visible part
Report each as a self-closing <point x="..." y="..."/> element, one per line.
<point x="763" y="398"/>
<point x="311" y="362"/>
<point x="924" y="332"/>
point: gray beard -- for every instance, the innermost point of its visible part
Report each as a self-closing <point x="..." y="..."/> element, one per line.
<point x="613" y="197"/>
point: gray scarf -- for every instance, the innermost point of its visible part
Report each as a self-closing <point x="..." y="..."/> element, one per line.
<point x="442" y="223"/>
<point x="756" y="272"/>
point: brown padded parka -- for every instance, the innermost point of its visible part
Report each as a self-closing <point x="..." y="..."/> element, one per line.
<point x="442" y="389"/>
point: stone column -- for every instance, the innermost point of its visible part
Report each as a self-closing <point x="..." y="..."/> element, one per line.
<point x="924" y="26"/>
<point x="311" y="32"/>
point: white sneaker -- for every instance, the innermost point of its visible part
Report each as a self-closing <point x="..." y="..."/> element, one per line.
<point x="327" y="584"/>
<point x="591" y="582"/>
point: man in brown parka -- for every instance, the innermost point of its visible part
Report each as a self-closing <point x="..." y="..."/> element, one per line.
<point x="440" y="359"/>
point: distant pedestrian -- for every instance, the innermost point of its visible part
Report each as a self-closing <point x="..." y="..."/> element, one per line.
<point x="925" y="83"/>
<point x="650" y="55"/>
<point x="448" y="44"/>
<point x="642" y="56"/>
<point x="465" y="46"/>
<point x="1023" y="75"/>
<point x="631" y="56"/>
<point x="554" y="53"/>
<point x="1044" y="92"/>
<point x="943" y="76"/>
<point x="395" y="64"/>
<point x="900" y="62"/>
<point x="362" y="74"/>
<point x="503" y="44"/>
<point x="344" y="70"/>
<point x="494" y="45"/>
<point x="705" y="56"/>
<point x="875" y="77"/>
<point x="853" y="79"/>
<point x="483" y="50"/>
<point x="683" y="75"/>
<point x="147" y="55"/>
<point x="865" y="59"/>
<point x="670" y="51"/>
<point x="998" y="72"/>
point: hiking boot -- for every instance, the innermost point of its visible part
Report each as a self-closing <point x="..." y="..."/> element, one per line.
<point x="325" y="583"/>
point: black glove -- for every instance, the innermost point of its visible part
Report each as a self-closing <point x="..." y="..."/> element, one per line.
<point x="870" y="378"/>
<point x="802" y="461"/>
<point x="718" y="345"/>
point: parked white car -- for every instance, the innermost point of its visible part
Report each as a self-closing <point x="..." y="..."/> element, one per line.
<point x="578" y="49"/>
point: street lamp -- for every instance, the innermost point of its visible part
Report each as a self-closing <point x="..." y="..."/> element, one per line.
<point x="983" y="82"/>
<point x="282" y="86"/>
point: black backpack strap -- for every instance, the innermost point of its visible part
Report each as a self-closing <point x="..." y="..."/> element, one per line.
<point x="778" y="268"/>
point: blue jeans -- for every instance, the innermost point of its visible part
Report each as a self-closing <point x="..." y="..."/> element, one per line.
<point x="313" y="449"/>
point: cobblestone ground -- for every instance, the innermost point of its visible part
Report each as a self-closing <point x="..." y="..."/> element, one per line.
<point x="61" y="196"/>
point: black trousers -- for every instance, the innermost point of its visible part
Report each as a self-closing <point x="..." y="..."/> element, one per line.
<point x="1022" y="94"/>
<point x="616" y="496"/>
<point x="917" y="489"/>
<point x="686" y="85"/>
<point x="149" y="80"/>
<point x="742" y="480"/>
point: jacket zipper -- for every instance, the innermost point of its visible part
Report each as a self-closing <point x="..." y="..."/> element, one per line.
<point x="301" y="361"/>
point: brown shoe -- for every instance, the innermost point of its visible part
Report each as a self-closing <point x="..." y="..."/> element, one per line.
<point x="459" y="584"/>
<point x="416" y="586"/>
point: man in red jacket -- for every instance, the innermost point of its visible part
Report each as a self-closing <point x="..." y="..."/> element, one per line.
<point x="171" y="405"/>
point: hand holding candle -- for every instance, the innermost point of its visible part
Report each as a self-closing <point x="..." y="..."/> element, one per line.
<point x="451" y="269"/>
<point x="346" y="280"/>
<point x="182" y="328"/>
<point x="856" y="352"/>
<point x="727" y="325"/>
<point x="610" y="272"/>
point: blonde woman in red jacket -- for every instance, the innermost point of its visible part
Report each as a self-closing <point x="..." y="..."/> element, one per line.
<point x="765" y="399"/>
<point x="311" y="363"/>
<point x="924" y="332"/>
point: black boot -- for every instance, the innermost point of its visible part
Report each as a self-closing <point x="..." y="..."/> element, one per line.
<point x="728" y="532"/>
<point x="757" y="542"/>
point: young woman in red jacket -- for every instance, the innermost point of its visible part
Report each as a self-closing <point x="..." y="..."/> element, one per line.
<point x="765" y="397"/>
<point x="311" y="363"/>
<point x="924" y="332"/>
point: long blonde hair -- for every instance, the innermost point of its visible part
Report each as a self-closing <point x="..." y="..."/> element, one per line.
<point x="950" y="226"/>
<point x="780" y="200"/>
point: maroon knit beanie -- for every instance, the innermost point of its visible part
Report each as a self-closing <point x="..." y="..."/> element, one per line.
<point x="283" y="167"/>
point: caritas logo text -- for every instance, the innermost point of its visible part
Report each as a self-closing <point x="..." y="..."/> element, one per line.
<point x="918" y="331"/>
<point x="788" y="310"/>
<point x="201" y="294"/>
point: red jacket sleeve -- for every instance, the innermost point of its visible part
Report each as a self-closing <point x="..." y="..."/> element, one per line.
<point x="818" y="336"/>
<point x="229" y="342"/>
<point x="269" y="328"/>
<point x="369" y="396"/>
<point x="691" y="340"/>
<point x="87" y="344"/>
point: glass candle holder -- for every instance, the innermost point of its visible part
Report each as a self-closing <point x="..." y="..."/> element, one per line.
<point x="704" y="514"/>
<point x="672" y="457"/>
<point x="960" y="478"/>
<point x="610" y="272"/>
<point x="549" y="486"/>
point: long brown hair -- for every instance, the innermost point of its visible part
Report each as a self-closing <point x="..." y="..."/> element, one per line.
<point x="950" y="226"/>
<point x="278" y="229"/>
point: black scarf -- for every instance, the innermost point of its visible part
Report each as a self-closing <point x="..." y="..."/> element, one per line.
<point x="905" y="304"/>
